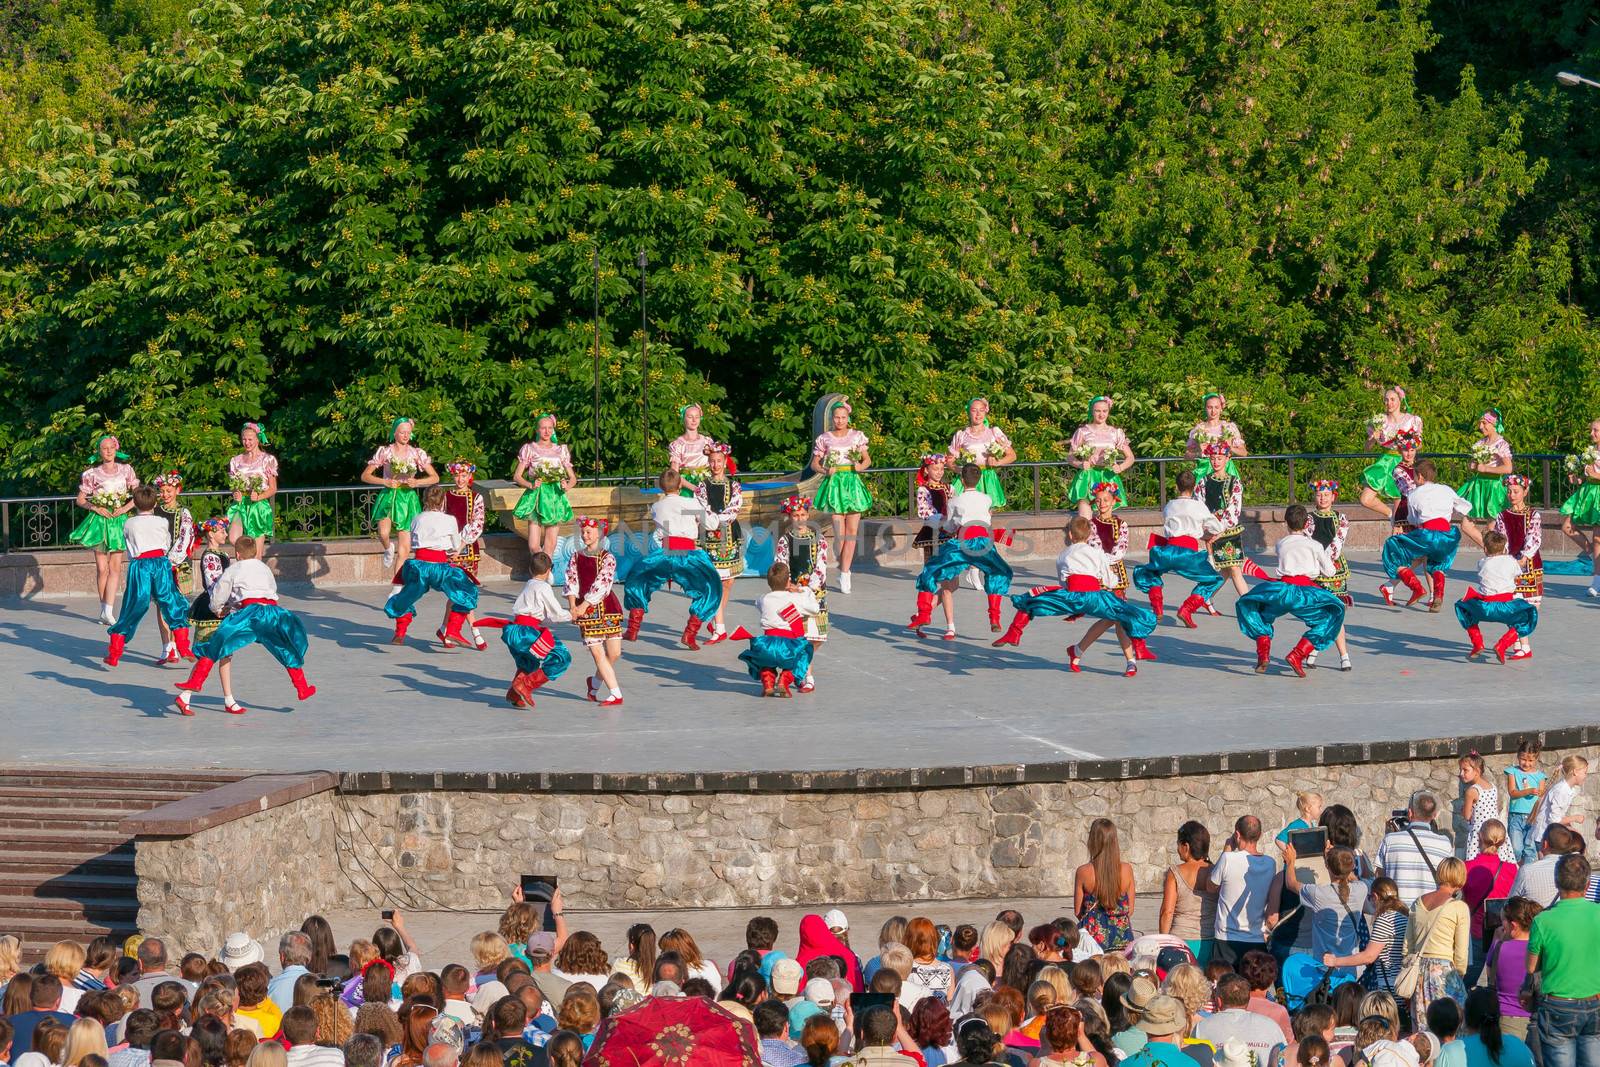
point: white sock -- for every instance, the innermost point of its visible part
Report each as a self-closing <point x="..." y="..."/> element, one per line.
<point x="227" y="697"/>
<point x="616" y="694"/>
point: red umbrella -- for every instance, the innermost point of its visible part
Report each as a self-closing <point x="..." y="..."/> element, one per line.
<point x="674" y="1032"/>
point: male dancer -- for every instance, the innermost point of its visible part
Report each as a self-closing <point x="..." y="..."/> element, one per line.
<point x="1185" y="523"/>
<point x="1301" y="562"/>
<point x="150" y="577"/>
<point x="434" y="536"/>
<point x="1433" y="510"/>
<point x="970" y="519"/>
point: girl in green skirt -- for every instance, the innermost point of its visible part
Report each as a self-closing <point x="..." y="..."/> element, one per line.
<point x="985" y="446"/>
<point x="841" y="455"/>
<point x="1491" y="462"/>
<point x="544" y="470"/>
<point x="253" y="477"/>
<point x="105" y="491"/>
<point x="401" y="468"/>
<point x="1379" y="489"/>
<point x="1214" y="428"/>
<point x="1101" y="453"/>
<point x="1582" y="509"/>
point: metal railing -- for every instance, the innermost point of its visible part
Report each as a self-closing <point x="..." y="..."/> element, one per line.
<point x="344" y="512"/>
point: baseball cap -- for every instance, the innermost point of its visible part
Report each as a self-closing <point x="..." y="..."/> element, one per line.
<point x="786" y="977"/>
<point x="541" y="943"/>
<point x="820" y="991"/>
<point x="835" y="920"/>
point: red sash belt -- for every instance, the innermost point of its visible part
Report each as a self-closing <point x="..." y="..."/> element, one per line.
<point x="1297" y="579"/>
<point x="1191" y="543"/>
<point x="1437" y="525"/>
<point x="1083" y="583"/>
<point x="153" y="554"/>
<point x="432" y="555"/>
<point x="258" y="600"/>
<point x="793" y="631"/>
<point x="527" y="620"/>
<point x="1493" y="598"/>
<point x="969" y="533"/>
<point x="681" y="544"/>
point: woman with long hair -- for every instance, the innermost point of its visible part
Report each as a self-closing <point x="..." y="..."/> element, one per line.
<point x="1379" y="486"/>
<point x="416" y="1017"/>
<point x="253" y="478"/>
<point x="582" y="959"/>
<point x="683" y="943"/>
<point x="86" y="1037"/>
<point x="1337" y="928"/>
<point x="640" y="964"/>
<point x="323" y="946"/>
<point x="1386" y="937"/>
<point x="1102" y="889"/>
<point x="1188" y="905"/>
<point x="1486" y="1044"/>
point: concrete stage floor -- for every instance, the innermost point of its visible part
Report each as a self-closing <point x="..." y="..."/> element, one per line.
<point x="885" y="699"/>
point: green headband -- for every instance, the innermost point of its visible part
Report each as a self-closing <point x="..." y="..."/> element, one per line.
<point x="98" y="441"/>
<point x="1097" y="400"/>
<point x="542" y="416"/>
<point x="261" y="431"/>
<point x="394" y="427"/>
<point x="1209" y="396"/>
<point x="683" y="412"/>
<point x="1499" y="419"/>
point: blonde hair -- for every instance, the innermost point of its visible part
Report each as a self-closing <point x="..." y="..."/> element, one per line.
<point x="1491" y="835"/>
<point x="1057" y="979"/>
<point x="10" y="956"/>
<point x="1572" y="763"/>
<point x="87" y="1037"/>
<point x="897" y="958"/>
<point x="489" y="948"/>
<point x="994" y="942"/>
<point x="1188" y="984"/>
<point x="65" y="960"/>
<point x="362" y="952"/>
<point x="1452" y="874"/>
<point x="1302" y="801"/>
<point x="1382" y="1005"/>
<point x="1111" y="963"/>
<point x="268" y="1054"/>
<point x="1042" y="996"/>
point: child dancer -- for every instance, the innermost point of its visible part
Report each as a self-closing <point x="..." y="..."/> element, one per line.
<point x="180" y="525"/>
<point x="806" y="552"/>
<point x="434" y="535"/>
<point x="781" y="653"/>
<point x="1112" y="532"/>
<point x="677" y="558"/>
<point x="246" y="596"/>
<point x="1524" y="534"/>
<point x="103" y="491"/>
<point x="539" y="655"/>
<point x="1329" y="528"/>
<point x="405" y="468"/>
<point x="971" y="545"/>
<point x="150" y="577"/>
<point x="1086" y="578"/>
<point x="1185" y="523"/>
<point x="933" y="500"/>
<point x="722" y="538"/>
<point x="1496" y="599"/>
<point x="1301" y="561"/>
<point x="1223" y="493"/>
<point x="1432" y="509"/>
<point x="464" y="504"/>
<point x="591" y="574"/>
<point x="213" y="562"/>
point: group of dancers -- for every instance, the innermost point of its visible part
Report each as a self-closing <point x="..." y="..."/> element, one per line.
<point x="432" y="539"/>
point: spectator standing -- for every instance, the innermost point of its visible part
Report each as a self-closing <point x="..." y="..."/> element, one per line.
<point x="1439" y="933"/>
<point x="1385" y="947"/>
<point x="1525" y="786"/>
<point x="1561" y="952"/>
<point x="1480" y="802"/>
<point x="1335" y="909"/>
<point x="1508" y="964"/>
<point x="1411" y="853"/>
<point x="1188" y="906"/>
<point x="1102" y="889"/>
<point x="1556" y="806"/>
<point x="294" y="956"/>
<point x="1489" y="876"/>
<point x="1537" y="880"/>
<point x="1235" y="1020"/>
<point x="1242" y="878"/>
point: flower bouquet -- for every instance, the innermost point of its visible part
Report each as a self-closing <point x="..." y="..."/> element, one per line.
<point x="1589" y="457"/>
<point x="964" y="456"/>
<point x="1482" y="454"/>
<point x="1086" y="453"/>
<point x="108" y="500"/>
<point x="549" y="471"/>
<point x="246" y="484"/>
<point x="401" y="470"/>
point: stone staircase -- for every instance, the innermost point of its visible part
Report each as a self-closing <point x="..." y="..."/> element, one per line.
<point x="66" y="871"/>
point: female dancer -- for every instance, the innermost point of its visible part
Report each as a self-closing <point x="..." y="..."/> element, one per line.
<point x="978" y="442"/>
<point x="1491" y="462"/>
<point x="253" y="477"/>
<point x="202" y="620"/>
<point x="544" y="503"/>
<point x="1223" y="493"/>
<point x="687" y="453"/>
<point x="1214" y="428"/>
<point x="720" y="499"/>
<point x="406" y="468"/>
<point x="933" y="500"/>
<point x="806" y="552"/>
<point x="464" y="504"/>
<point x="1524" y="533"/>
<point x="105" y="491"/>
<point x="1101" y="453"/>
<point x="591" y="572"/>
<point x="180" y="527"/>
<point x="1383" y="433"/>
<point x="841" y="453"/>
<point x="1113" y="534"/>
<point x="1329" y="528"/>
<point x="1582" y="509"/>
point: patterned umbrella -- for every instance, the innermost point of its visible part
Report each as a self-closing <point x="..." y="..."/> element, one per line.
<point x="674" y="1032"/>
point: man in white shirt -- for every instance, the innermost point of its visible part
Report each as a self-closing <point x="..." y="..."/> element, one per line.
<point x="1495" y="599"/>
<point x="150" y="577"/>
<point x="678" y="558"/>
<point x="435" y="537"/>
<point x="1301" y="561"/>
<point x="1236" y="1022"/>
<point x="1187" y="526"/>
<point x="1434" y="510"/>
<point x="300" y="1034"/>
<point x="1537" y="880"/>
<point x="968" y="518"/>
<point x="1242" y="877"/>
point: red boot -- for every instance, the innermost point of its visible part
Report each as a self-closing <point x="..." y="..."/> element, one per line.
<point x="302" y="688"/>
<point x="1297" y="658"/>
<point x="1263" y="654"/>
<point x="1502" y="646"/>
<point x="524" y="685"/>
<point x="785" y="680"/>
<point x="114" y="653"/>
<point x="1141" y="650"/>
<point x="635" y="620"/>
<point x="1437" y="603"/>
<point x="1013" y="636"/>
<point x="1476" y="635"/>
<point x="994" y="613"/>
<point x="689" y="630"/>
<point x="1157" y="600"/>
<point x="180" y="637"/>
<point x="197" y="676"/>
<point x="769" y="682"/>
<point x="452" y="626"/>
<point x="401" y="625"/>
<point x="1409" y="579"/>
<point x="924" y="613"/>
<point x="513" y="694"/>
<point x="1186" y="612"/>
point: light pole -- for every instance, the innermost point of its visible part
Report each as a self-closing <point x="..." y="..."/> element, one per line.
<point x="1571" y="80"/>
<point x="644" y="355"/>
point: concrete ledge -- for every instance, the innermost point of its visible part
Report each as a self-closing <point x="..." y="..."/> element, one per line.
<point x="227" y="803"/>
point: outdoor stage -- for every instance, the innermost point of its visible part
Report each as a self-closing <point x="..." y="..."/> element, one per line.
<point x="885" y="699"/>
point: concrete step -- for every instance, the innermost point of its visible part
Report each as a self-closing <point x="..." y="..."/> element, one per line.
<point x="37" y="935"/>
<point x="18" y="910"/>
<point x="15" y="887"/>
<point x="40" y="865"/>
<point x="104" y="782"/>
<point x="67" y="842"/>
<point x="26" y="797"/>
<point x="86" y="819"/>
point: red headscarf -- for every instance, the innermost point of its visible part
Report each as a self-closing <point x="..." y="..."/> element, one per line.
<point x="817" y="940"/>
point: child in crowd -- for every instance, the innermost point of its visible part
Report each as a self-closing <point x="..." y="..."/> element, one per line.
<point x="781" y="653"/>
<point x="969" y="522"/>
<point x="1185" y="523"/>
<point x="1495" y="599"/>
<point x="1557" y="803"/>
<point x="1525" y="786"/>
<point x="150" y="577"/>
<point x="1308" y="807"/>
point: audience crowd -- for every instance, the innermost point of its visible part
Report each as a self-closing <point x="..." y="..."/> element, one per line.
<point x="1404" y="955"/>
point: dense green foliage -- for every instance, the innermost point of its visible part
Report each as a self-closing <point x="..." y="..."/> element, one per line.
<point x="333" y="212"/>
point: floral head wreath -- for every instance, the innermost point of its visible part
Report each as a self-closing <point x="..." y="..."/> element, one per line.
<point x="1499" y="419"/>
<point x="930" y="458"/>
<point x="394" y="427"/>
<point x="171" y="477"/>
<point x="796" y="503"/>
<point x="1517" y="479"/>
<point x="261" y="431"/>
<point x="216" y="522"/>
<point x="542" y="416"/>
<point x="587" y="521"/>
<point x="1320" y="484"/>
<point x="1097" y="400"/>
<point x="461" y="466"/>
<point x="1408" y="437"/>
<point x="721" y="448"/>
<point x="1208" y="397"/>
<point x="102" y="439"/>
<point x="1109" y="487"/>
<point x="1218" y="448"/>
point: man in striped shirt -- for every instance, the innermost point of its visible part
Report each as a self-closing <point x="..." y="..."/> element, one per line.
<point x="1411" y="853"/>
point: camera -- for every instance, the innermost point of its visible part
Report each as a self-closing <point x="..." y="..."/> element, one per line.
<point x="1399" y="818"/>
